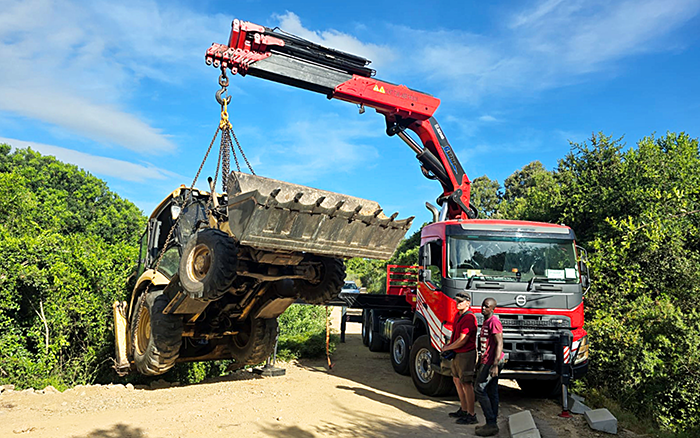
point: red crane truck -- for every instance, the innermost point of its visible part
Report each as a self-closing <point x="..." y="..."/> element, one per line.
<point x="535" y="271"/>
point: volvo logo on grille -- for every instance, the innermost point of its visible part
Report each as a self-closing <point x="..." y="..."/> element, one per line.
<point x="520" y="300"/>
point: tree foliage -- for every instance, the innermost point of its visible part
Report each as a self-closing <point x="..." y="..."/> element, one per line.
<point x="637" y="210"/>
<point x="66" y="246"/>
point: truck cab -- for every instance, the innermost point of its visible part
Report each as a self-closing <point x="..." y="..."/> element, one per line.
<point x="536" y="274"/>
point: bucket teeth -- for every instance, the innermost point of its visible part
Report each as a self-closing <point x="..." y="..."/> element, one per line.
<point x="331" y="225"/>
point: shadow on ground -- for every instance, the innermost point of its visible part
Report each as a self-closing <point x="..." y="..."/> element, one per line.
<point x="117" y="431"/>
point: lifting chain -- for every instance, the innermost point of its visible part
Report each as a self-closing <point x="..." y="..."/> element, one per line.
<point x="223" y="161"/>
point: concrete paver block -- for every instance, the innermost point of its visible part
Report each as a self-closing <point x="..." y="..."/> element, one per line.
<point x="602" y="420"/>
<point x="576" y="405"/>
<point x="578" y="398"/>
<point x="522" y="425"/>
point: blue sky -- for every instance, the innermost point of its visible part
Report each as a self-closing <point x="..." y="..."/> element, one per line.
<point x="121" y="88"/>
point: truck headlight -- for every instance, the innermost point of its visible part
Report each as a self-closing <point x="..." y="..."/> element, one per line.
<point x="582" y="354"/>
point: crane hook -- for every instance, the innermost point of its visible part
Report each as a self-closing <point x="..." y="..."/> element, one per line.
<point x="220" y="99"/>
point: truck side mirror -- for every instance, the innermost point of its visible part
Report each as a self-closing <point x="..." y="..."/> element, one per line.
<point x="425" y="275"/>
<point x="424" y="255"/>
<point x="583" y="269"/>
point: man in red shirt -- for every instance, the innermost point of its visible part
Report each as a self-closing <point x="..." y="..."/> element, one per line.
<point x="463" y="343"/>
<point x="491" y="363"/>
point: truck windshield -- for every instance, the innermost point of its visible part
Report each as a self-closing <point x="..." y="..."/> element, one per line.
<point x="512" y="259"/>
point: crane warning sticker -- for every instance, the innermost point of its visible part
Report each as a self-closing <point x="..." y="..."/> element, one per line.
<point x="379" y="89"/>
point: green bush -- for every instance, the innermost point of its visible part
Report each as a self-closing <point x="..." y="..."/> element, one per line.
<point x="303" y="333"/>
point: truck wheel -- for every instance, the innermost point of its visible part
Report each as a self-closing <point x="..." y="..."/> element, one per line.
<point x="374" y="338"/>
<point x="427" y="381"/>
<point x="254" y="343"/>
<point x="541" y="388"/>
<point x="365" y="327"/>
<point x="208" y="264"/>
<point x="327" y="287"/>
<point x="155" y="337"/>
<point x="400" y="356"/>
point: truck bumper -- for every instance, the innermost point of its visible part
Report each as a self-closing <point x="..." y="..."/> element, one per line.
<point x="580" y="370"/>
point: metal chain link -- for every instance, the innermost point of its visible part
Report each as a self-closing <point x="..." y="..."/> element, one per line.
<point x="242" y="153"/>
<point x="170" y="234"/>
<point x="226" y="159"/>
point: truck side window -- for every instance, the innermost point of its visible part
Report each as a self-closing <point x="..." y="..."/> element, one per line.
<point x="433" y="261"/>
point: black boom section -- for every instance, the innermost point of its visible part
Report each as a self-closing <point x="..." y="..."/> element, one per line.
<point x="300" y="48"/>
<point x="298" y="73"/>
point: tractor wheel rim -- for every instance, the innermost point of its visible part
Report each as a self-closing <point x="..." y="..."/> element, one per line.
<point x="422" y="365"/>
<point x="143" y="332"/>
<point x="199" y="262"/>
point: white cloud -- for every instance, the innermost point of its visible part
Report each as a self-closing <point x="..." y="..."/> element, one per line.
<point x="76" y="65"/>
<point x="488" y="118"/>
<point x="379" y="55"/>
<point x="550" y="44"/>
<point x="98" y="165"/>
<point x="313" y="148"/>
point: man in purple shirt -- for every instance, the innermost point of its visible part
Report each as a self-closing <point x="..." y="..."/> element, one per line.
<point x="491" y="363"/>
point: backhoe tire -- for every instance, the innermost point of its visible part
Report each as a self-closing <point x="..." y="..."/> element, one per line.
<point x="254" y="343"/>
<point x="426" y="380"/>
<point x="327" y="287"/>
<point x="208" y="264"/>
<point x="156" y="337"/>
<point x="400" y="351"/>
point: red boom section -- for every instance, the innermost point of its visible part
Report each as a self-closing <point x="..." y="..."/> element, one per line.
<point x="386" y="98"/>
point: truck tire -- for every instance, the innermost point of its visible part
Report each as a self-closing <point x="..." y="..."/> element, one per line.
<point x="328" y="286"/>
<point x="426" y="380"/>
<point x="374" y="338"/>
<point x="541" y="388"/>
<point x="155" y="337"/>
<point x="208" y="264"/>
<point x="365" y="327"/>
<point x="400" y="350"/>
<point x="254" y="343"/>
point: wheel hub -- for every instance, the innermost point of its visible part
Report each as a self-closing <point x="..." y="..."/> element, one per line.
<point x="200" y="262"/>
<point x="399" y="350"/>
<point x="424" y="372"/>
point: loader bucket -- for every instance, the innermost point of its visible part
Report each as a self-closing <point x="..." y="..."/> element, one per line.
<point x="279" y="216"/>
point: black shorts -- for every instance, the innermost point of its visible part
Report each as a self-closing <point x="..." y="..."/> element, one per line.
<point x="464" y="366"/>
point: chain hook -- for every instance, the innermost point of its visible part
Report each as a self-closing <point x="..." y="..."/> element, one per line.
<point x="223" y="81"/>
<point x="221" y="99"/>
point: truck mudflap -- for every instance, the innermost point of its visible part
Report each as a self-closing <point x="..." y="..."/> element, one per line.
<point x="279" y="216"/>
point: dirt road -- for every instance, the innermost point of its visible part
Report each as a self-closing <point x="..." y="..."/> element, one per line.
<point x="360" y="397"/>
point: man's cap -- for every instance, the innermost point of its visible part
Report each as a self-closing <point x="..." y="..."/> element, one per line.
<point x="461" y="296"/>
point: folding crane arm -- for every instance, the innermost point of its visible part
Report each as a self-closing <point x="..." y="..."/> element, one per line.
<point x="280" y="57"/>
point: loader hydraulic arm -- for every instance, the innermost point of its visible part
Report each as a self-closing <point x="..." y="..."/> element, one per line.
<point x="281" y="57"/>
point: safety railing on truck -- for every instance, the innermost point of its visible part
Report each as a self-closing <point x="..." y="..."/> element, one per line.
<point x="401" y="279"/>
